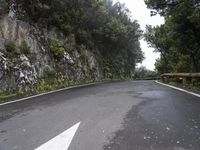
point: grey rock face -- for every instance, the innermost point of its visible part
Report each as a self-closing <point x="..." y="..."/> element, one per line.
<point x="2" y="43"/>
<point x="3" y="73"/>
<point x="26" y="73"/>
<point x="21" y="77"/>
<point x="3" y="7"/>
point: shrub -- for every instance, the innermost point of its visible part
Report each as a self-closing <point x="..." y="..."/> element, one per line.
<point x="43" y="87"/>
<point x="83" y="36"/>
<point x="24" y="48"/>
<point x="66" y="28"/>
<point x="48" y="73"/>
<point x="2" y="50"/>
<point x="10" y="48"/>
<point x="57" y="49"/>
<point x="82" y="49"/>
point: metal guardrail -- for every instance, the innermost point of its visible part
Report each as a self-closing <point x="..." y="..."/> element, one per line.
<point x="192" y="75"/>
<point x="152" y="78"/>
<point x="180" y="77"/>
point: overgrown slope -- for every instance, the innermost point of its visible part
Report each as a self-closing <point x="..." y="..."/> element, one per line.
<point x="45" y="43"/>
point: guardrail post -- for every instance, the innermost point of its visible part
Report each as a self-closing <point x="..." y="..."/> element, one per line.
<point x="184" y="80"/>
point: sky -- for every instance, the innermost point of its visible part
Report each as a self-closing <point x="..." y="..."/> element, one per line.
<point x="140" y="12"/>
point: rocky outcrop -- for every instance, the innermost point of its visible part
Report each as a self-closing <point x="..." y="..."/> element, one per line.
<point x="47" y="45"/>
<point x="3" y="73"/>
<point x="23" y="71"/>
<point x="21" y="77"/>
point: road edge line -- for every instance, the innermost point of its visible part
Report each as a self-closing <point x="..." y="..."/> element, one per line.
<point x="46" y="93"/>
<point x="179" y="89"/>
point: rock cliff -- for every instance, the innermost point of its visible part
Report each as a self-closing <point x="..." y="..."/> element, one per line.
<point x="23" y="71"/>
<point x="58" y="43"/>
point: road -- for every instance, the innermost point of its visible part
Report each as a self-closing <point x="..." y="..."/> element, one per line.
<point x="129" y="115"/>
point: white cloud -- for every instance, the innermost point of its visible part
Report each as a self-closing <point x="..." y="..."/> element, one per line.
<point x="140" y="12"/>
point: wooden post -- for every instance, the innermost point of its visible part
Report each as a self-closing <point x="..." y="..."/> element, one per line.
<point x="184" y="80"/>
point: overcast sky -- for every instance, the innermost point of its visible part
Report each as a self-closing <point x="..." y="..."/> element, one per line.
<point x="142" y="14"/>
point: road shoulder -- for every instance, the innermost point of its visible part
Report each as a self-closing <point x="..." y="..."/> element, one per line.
<point x="180" y="89"/>
<point x="46" y="93"/>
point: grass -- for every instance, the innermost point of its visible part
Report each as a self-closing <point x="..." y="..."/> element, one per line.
<point x="5" y="96"/>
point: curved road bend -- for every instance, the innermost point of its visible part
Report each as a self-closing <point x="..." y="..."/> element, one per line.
<point x="130" y="115"/>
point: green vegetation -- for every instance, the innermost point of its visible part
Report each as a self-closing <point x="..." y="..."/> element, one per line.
<point x="11" y="53"/>
<point x="143" y="73"/>
<point x="24" y="48"/>
<point x="100" y="26"/>
<point x="191" y="86"/>
<point x="10" y="49"/>
<point x="57" y="49"/>
<point x="82" y="50"/>
<point x="5" y="96"/>
<point x="46" y="86"/>
<point x="48" y="73"/>
<point x="177" y="39"/>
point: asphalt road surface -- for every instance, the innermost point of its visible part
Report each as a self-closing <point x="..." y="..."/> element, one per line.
<point x="130" y="115"/>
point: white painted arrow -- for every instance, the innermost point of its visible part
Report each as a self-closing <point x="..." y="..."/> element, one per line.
<point x="62" y="141"/>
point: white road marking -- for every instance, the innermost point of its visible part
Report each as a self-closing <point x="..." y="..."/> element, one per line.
<point x="46" y="93"/>
<point x="62" y="141"/>
<point x="192" y="93"/>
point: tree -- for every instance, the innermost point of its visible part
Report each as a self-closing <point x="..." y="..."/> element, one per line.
<point x="143" y="73"/>
<point x="100" y="25"/>
<point x="178" y="39"/>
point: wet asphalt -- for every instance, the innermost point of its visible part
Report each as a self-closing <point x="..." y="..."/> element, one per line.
<point x="130" y="115"/>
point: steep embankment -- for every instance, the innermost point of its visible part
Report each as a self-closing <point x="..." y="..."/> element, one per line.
<point x="50" y="44"/>
<point x="27" y="57"/>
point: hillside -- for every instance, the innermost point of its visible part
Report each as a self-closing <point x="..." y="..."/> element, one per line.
<point x="47" y="44"/>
